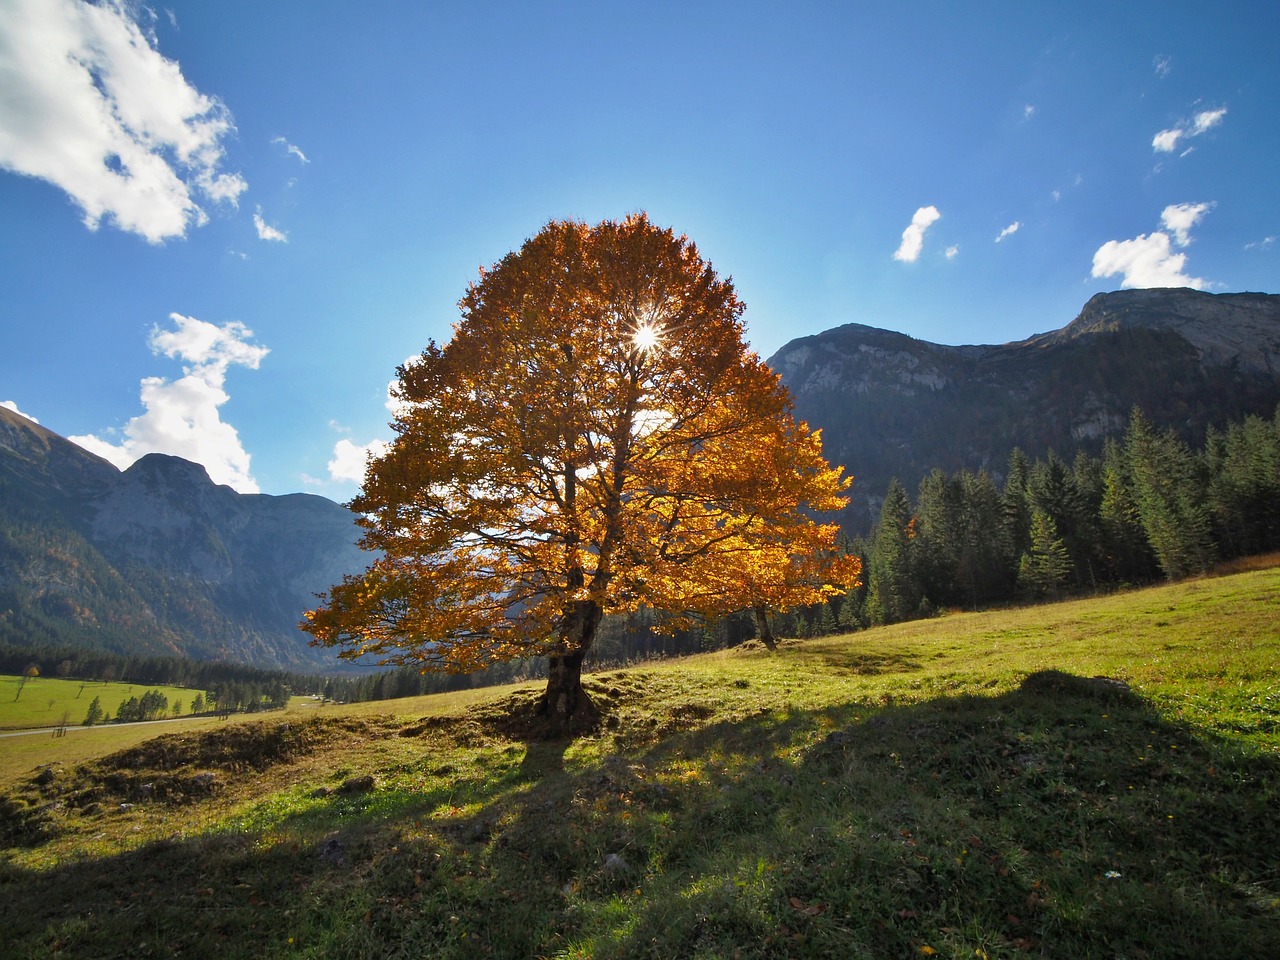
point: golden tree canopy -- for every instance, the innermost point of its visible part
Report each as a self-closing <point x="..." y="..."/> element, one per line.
<point x="596" y="436"/>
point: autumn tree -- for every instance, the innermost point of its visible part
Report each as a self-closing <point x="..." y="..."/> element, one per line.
<point x="594" y="438"/>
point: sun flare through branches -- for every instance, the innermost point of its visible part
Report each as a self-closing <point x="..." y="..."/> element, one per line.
<point x="646" y="337"/>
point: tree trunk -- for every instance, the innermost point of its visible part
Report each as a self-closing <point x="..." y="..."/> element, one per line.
<point x="564" y="694"/>
<point x="565" y="705"/>
<point x="764" y="633"/>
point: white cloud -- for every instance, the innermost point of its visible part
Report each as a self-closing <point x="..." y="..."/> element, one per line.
<point x="349" y="459"/>
<point x="1166" y="141"/>
<point x="10" y="405"/>
<point x="266" y="231"/>
<point x="1181" y="217"/>
<point x="1162" y="64"/>
<point x="90" y="105"/>
<point x="913" y="237"/>
<point x="1010" y="230"/>
<point x="1264" y="242"/>
<point x="1149" y="260"/>
<point x="952" y="251"/>
<point x="1028" y="111"/>
<point x="181" y="417"/>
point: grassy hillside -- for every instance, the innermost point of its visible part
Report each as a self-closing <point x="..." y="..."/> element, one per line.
<point x="964" y="787"/>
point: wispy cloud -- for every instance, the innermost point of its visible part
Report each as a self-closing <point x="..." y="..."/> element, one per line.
<point x="952" y="251"/>
<point x="1009" y="231"/>
<point x="10" y="405"/>
<point x="1150" y="260"/>
<point x="1260" y="244"/>
<point x="1028" y="111"/>
<point x="1162" y="64"/>
<point x="913" y="237"/>
<point x="1167" y="141"/>
<point x="291" y="149"/>
<point x="266" y="231"/>
<point x="91" y="106"/>
<point x="181" y="417"/>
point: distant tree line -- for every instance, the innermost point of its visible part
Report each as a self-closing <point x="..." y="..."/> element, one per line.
<point x="1149" y="507"/>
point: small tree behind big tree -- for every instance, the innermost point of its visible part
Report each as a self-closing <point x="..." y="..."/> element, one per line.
<point x="595" y="437"/>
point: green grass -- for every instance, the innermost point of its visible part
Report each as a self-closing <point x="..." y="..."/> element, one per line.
<point x="962" y="787"/>
<point x="46" y="701"/>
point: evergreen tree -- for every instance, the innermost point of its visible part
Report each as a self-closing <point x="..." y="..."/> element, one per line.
<point x="1243" y="466"/>
<point x="893" y="586"/>
<point x="1046" y="565"/>
<point x="1053" y="491"/>
<point x="1015" y="511"/>
<point x="1127" y="556"/>
<point x="95" y="712"/>
<point x="982" y="562"/>
<point x="1170" y="495"/>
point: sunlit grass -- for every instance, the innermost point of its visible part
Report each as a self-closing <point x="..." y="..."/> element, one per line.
<point x="50" y="701"/>
<point x="954" y="788"/>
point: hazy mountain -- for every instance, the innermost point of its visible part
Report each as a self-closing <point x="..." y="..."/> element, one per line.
<point x="158" y="558"/>
<point x="890" y="405"/>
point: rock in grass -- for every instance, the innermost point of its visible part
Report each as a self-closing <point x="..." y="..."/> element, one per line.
<point x="358" y="785"/>
<point x="331" y="851"/>
<point x="614" y="864"/>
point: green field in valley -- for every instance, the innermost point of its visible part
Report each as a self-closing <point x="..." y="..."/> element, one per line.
<point x="36" y="702"/>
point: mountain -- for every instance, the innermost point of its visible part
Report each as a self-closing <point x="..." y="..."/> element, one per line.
<point x="892" y="406"/>
<point x="158" y="559"/>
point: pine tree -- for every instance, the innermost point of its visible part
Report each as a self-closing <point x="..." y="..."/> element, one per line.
<point x="1046" y="565"/>
<point x="894" y="592"/>
<point x="1170" y="496"/>
<point x="95" y="714"/>
<point x="1127" y="555"/>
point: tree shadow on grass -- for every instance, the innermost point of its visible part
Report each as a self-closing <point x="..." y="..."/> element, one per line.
<point x="1065" y="818"/>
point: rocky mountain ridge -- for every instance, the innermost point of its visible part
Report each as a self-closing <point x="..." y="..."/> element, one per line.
<point x="158" y="558"/>
<point x="893" y="406"/>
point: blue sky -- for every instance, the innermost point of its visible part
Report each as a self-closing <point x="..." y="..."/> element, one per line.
<point x="223" y="224"/>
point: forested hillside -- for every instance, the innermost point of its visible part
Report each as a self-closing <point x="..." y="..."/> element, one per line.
<point x="1149" y="507"/>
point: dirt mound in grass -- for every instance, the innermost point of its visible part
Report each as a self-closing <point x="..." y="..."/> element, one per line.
<point x="170" y="769"/>
<point x="520" y="716"/>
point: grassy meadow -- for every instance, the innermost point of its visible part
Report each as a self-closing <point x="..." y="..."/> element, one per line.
<point x="46" y="701"/>
<point x="1098" y="778"/>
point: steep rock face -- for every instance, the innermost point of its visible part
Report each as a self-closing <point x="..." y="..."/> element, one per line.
<point x="892" y="406"/>
<point x="165" y="513"/>
<point x="159" y="559"/>
<point x="1225" y="328"/>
